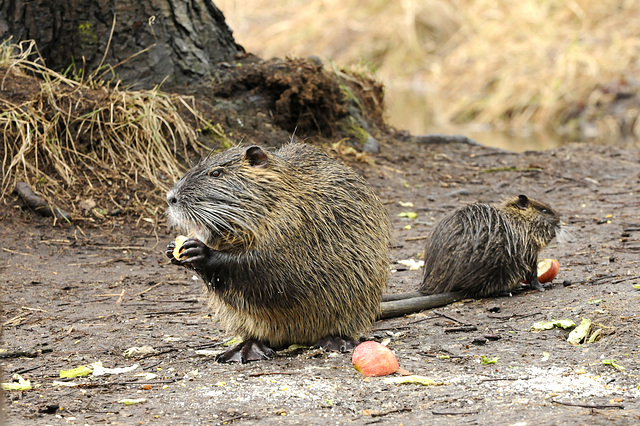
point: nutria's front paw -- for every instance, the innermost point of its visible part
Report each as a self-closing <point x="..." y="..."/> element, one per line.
<point x="197" y="255"/>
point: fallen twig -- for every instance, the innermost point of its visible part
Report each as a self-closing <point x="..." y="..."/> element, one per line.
<point x="177" y="311"/>
<point x="157" y="382"/>
<point x="101" y="262"/>
<point x="156" y="354"/>
<point x="14" y="320"/>
<point x="273" y="373"/>
<point x="16" y="252"/>
<point x="121" y="297"/>
<point x="441" y="139"/>
<point x="421" y="237"/>
<point x="453" y="413"/>
<point x="597" y="407"/>
<point x="440" y="356"/>
<point x="39" y="205"/>
<point x="386" y="413"/>
<point x="19" y="354"/>
<point x="463" y="329"/>
<point x="511" y="169"/>
<point x="26" y="370"/>
<point x="232" y="419"/>
<point x="510" y="316"/>
<point x="107" y="247"/>
<point x="498" y="379"/>
<point x="147" y="290"/>
<point x="106" y="385"/>
<point x="442" y="314"/>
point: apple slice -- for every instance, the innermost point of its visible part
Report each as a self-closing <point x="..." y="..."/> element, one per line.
<point x="373" y="359"/>
<point x="180" y="239"/>
<point x="548" y="270"/>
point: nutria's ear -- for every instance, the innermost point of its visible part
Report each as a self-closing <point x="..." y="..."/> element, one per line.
<point x="256" y="156"/>
<point x="523" y="202"/>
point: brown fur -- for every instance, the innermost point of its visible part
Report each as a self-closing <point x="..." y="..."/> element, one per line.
<point x="481" y="250"/>
<point x="312" y="231"/>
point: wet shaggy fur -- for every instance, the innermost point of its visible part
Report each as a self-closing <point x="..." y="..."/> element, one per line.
<point x="307" y="232"/>
<point x="483" y="251"/>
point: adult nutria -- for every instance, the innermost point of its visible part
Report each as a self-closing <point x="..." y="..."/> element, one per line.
<point x="481" y="250"/>
<point x="292" y="246"/>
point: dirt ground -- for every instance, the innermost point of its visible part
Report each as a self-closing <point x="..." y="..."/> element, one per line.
<point x="79" y="294"/>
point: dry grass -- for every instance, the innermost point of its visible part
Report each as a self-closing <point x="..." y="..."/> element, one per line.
<point x="518" y="65"/>
<point x="70" y="138"/>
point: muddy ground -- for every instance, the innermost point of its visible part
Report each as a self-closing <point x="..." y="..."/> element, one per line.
<point x="83" y="293"/>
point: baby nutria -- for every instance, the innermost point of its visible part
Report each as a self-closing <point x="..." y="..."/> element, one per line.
<point x="292" y="246"/>
<point x="482" y="251"/>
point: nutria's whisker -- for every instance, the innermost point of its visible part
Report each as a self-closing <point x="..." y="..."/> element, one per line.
<point x="564" y="234"/>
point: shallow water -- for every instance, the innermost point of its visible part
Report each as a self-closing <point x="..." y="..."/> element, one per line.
<point x="408" y="109"/>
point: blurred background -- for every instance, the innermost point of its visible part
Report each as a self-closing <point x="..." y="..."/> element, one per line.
<point x="519" y="74"/>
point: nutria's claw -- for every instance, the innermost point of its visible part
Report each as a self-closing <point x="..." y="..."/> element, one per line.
<point x="545" y="286"/>
<point x="207" y="262"/>
<point x="535" y="284"/>
<point x="249" y="350"/>
<point x="169" y="253"/>
<point x="336" y="343"/>
<point x="197" y="255"/>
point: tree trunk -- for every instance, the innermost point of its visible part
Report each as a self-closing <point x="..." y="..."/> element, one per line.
<point x="180" y="40"/>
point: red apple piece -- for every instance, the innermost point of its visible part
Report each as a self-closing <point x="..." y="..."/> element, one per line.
<point x="373" y="359"/>
<point x="548" y="270"/>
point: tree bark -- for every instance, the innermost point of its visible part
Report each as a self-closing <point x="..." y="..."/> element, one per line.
<point x="180" y="40"/>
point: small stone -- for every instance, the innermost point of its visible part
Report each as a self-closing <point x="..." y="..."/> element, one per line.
<point x="479" y="341"/>
<point x="371" y="145"/>
<point x="458" y="192"/>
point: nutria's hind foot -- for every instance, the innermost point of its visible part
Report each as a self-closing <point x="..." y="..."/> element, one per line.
<point x="522" y="287"/>
<point x="336" y="343"/>
<point x="249" y="350"/>
<point x="537" y="285"/>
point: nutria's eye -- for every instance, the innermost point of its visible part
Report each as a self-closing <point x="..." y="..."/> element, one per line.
<point x="215" y="173"/>
<point x="545" y="211"/>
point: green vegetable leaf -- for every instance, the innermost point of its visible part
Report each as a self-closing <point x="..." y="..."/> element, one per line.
<point x="580" y="332"/>
<point x="548" y="325"/>
<point x="411" y="380"/>
<point x="409" y="215"/>
<point x="613" y="363"/>
<point x="485" y="360"/>
<point x="75" y="372"/>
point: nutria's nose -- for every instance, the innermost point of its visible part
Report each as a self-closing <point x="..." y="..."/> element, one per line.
<point x="171" y="197"/>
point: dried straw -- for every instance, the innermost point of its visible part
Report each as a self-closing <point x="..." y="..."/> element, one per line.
<point x="71" y="134"/>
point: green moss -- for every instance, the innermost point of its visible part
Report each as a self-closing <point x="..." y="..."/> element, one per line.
<point x="349" y="95"/>
<point x="87" y="34"/>
<point x="354" y="131"/>
<point x="217" y="133"/>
